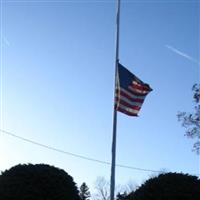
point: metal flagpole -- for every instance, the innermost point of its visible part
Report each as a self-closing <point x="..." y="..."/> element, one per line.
<point x="112" y="180"/>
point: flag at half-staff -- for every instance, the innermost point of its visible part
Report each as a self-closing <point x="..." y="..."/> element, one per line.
<point x="130" y="92"/>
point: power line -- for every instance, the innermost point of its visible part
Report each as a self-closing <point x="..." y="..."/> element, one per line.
<point x="78" y="155"/>
<point x="53" y="148"/>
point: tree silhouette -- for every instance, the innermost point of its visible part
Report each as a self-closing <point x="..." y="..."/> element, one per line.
<point x="37" y="182"/>
<point x="122" y="196"/>
<point x="84" y="192"/>
<point x="169" y="186"/>
<point x="102" y="189"/>
<point x="191" y="121"/>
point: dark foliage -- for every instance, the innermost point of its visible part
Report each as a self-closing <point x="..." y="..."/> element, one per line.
<point x="122" y="196"/>
<point x="169" y="186"/>
<point x="191" y="121"/>
<point x="84" y="192"/>
<point x="37" y="182"/>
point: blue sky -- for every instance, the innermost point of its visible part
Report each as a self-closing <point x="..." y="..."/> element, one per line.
<point x="57" y="64"/>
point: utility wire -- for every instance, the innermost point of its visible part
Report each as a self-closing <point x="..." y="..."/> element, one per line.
<point x="77" y="155"/>
<point x="53" y="148"/>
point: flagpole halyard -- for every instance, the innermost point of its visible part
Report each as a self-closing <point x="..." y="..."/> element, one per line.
<point x="114" y="136"/>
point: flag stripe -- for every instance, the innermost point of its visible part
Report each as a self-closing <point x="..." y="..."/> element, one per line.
<point x="131" y="95"/>
<point x="140" y="86"/>
<point x="127" y="111"/>
<point x="124" y="99"/>
<point x="130" y="92"/>
<point x="121" y="102"/>
<point x="137" y="92"/>
<point x="124" y="94"/>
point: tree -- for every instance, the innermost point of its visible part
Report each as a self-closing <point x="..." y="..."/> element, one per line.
<point x="122" y="196"/>
<point x="102" y="187"/>
<point x="40" y="181"/>
<point x="169" y="186"/>
<point x="191" y="121"/>
<point x="126" y="189"/>
<point x="84" y="192"/>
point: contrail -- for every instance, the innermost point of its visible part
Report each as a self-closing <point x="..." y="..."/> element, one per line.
<point x="182" y="54"/>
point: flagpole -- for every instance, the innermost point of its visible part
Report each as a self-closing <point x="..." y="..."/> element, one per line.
<point x="114" y="137"/>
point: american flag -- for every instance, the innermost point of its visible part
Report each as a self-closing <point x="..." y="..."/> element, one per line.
<point x="130" y="92"/>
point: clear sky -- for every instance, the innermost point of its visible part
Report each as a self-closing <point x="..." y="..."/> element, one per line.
<point x="57" y="74"/>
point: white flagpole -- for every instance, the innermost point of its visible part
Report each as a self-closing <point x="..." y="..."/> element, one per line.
<point x="112" y="180"/>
